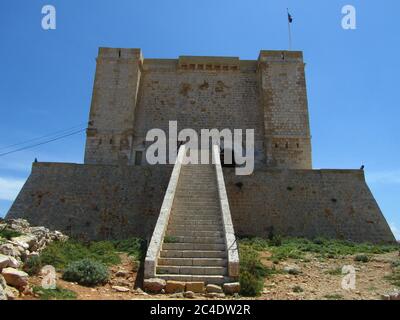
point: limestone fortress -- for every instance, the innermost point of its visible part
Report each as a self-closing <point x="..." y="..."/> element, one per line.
<point x="190" y="212"/>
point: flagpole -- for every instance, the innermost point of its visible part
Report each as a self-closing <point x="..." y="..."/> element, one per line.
<point x="290" y="31"/>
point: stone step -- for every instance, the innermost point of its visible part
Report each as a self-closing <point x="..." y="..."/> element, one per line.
<point x="217" y="279"/>
<point x="192" y="254"/>
<point x="199" y="262"/>
<point x="196" y="233"/>
<point x="185" y="227"/>
<point x="194" y="223"/>
<point x="195" y="220"/>
<point x="200" y="211"/>
<point x="194" y="205"/>
<point x="187" y="215"/>
<point x="192" y="270"/>
<point x="213" y="215"/>
<point x="193" y="202"/>
<point x="194" y="246"/>
<point x="196" y="240"/>
<point x="198" y="197"/>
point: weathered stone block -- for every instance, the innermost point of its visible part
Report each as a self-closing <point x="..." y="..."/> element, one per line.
<point x="174" y="286"/>
<point x="195" y="286"/>
<point x="154" y="285"/>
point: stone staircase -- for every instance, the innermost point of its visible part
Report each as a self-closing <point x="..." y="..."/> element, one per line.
<point x="194" y="246"/>
<point x="193" y="240"/>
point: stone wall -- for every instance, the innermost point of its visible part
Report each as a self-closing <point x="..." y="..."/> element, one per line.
<point x="93" y="201"/>
<point x="102" y="201"/>
<point x="311" y="203"/>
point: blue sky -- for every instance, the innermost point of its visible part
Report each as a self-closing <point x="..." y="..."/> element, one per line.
<point x="46" y="77"/>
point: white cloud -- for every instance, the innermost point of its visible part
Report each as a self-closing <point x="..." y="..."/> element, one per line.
<point x="9" y="188"/>
<point x="395" y="230"/>
<point x="384" y="177"/>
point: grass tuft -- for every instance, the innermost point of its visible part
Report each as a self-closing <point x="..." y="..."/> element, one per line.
<point x="54" y="294"/>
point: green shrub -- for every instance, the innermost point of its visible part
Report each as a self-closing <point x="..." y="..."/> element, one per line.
<point x="59" y="254"/>
<point x="86" y="272"/>
<point x="294" y="272"/>
<point x="33" y="265"/>
<point x="296" y="248"/>
<point x="135" y="247"/>
<point x="8" y="233"/>
<point x="250" y="284"/>
<point x="276" y="241"/>
<point x="55" y="294"/>
<point x="105" y="252"/>
<point x="252" y="271"/>
<point x="298" y="289"/>
<point x="361" y="258"/>
<point x="334" y="272"/>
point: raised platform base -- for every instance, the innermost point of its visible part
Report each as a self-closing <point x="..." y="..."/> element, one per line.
<point x="105" y="202"/>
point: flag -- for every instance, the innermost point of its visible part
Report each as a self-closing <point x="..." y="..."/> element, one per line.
<point x="289" y="17"/>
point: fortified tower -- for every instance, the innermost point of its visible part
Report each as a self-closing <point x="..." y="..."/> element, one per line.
<point x="132" y="95"/>
<point x="115" y="193"/>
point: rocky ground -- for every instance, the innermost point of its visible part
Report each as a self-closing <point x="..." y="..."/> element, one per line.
<point x="309" y="278"/>
<point x="321" y="279"/>
<point x="19" y="242"/>
<point x="316" y="279"/>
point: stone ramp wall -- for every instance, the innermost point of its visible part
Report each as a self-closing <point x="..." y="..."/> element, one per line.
<point x="93" y="201"/>
<point x="105" y="201"/>
<point x="306" y="203"/>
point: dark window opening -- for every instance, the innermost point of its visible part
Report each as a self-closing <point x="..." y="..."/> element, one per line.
<point x="138" y="158"/>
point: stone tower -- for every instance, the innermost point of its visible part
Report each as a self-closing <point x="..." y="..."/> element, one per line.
<point x="117" y="194"/>
<point x="132" y="95"/>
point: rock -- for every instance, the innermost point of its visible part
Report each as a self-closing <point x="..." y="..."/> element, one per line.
<point x="294" y="270"/>
<point x="4" y="261"/>
<point x="120" y="289"/>
<point x="14" y="263"/>
<point x="15" y="278"/>
<point x="215" y="295"/>
<point x="140" y="291"/>
<point x="9" y="250"/>
<point x="189" y="294"/>
<point x="395" y="295"/>
<point x="11" y="293"/>
<point x="26" y="241"/>
<point x="174" y="286"/>
<point x="231" y="288"/>
<point x="197" y="287"/>
<point x="122" y="273"/>
<point x="154" y="285"/>
<point x="3" y="283"/>
<point x="3" y="295"/>
<point x="178" y="295"/>
<point x="213" y="288"/>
